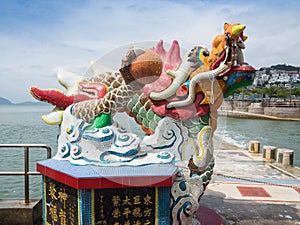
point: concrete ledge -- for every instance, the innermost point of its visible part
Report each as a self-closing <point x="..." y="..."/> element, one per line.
<point x="248" y="115"/>
<point x="285" y="111"/>
<point x="282" y="112"/>
<point x="16" y="212"/>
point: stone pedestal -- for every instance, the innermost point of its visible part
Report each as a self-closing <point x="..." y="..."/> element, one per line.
<point x="254" y="147"/>
<point x="269" y="153"/>
<point x="92" y="195"/>
<point x="285" y="156"/>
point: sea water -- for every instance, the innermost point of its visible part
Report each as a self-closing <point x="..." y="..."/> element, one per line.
<point x="281" y="134"/>
<point x="23" y="125"/>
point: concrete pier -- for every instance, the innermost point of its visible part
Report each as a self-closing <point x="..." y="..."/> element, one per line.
<point x="246" y="190"/>
<point x="16" y="212"/>
<point x="254" y="147"/>
<point x="269" y="153"/>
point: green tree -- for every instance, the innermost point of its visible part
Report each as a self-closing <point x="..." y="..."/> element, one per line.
<point x="296" y="91"/>
<point x="272" y="92"/>
<point x="277" y="92"/>
<point x="243" y="90"/>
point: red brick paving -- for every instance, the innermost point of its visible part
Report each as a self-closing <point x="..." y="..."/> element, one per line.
<point x="253" y="191"/>
<point x="297" y="189"/>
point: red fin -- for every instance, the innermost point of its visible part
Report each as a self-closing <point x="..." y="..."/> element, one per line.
<point x="52" y="96"/>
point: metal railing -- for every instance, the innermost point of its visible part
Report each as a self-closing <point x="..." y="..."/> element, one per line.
<point x="26" y="173"/>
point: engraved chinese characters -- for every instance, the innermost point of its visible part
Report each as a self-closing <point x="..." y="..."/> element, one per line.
<point x="61" y="203"/>
<point x="131" y="206"/>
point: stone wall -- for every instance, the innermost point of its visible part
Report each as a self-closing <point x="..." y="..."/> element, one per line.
<point x="282" y="112"/>
<point x="227" y="105"/>
<point x="257" y="108"/>
<point x="241" y="106"/>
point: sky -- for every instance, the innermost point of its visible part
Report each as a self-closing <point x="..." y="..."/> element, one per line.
<point x="37" y="36"/>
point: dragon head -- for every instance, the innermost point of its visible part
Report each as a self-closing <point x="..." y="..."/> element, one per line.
<point x="193" y="81"/>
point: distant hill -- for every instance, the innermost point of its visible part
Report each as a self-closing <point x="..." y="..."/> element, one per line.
<point x="32" y="103"/>
<point x="4" y="101"/>
<point x="281" y="67"/>
<point x="285" y="67"/>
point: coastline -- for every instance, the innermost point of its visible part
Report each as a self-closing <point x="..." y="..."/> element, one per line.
<point x="283" y="111"/>
<point x="249" y="115"/>
<point x="224" y="145"/>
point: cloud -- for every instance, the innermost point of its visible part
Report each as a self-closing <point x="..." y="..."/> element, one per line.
<point x="36" y="37"/>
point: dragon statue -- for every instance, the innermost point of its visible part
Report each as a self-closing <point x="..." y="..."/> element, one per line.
<point x="174" y="100"/>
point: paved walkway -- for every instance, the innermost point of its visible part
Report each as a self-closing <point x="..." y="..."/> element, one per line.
<point x="257" y="192"/>
<point x="245" y="190"/>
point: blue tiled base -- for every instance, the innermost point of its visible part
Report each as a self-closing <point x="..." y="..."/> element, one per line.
<point x="116" y="205"/>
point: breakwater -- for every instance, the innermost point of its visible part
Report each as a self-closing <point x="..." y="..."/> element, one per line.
<point x="250" y="110"/>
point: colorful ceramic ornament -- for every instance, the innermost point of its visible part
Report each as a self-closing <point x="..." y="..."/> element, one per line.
<point x="174" y="100"/>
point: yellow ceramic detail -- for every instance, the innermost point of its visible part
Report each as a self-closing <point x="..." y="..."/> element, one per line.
<point x="237" y="29"/>
<point x="200" y="138"/>
<point x="156" y="205"/>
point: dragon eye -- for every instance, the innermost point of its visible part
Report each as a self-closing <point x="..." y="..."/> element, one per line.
<point x="249" y="76"/>
<point x="206" y="53"/>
